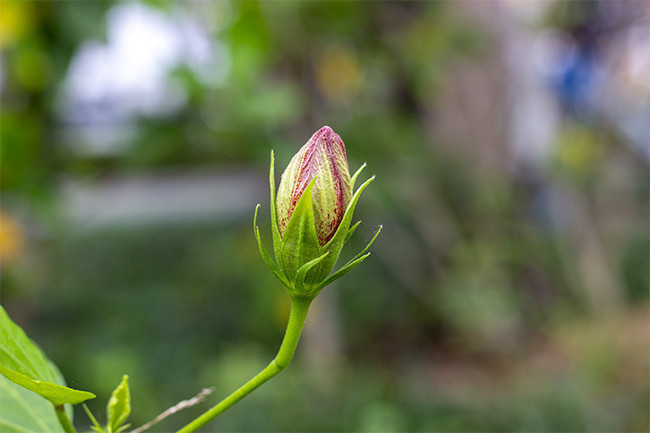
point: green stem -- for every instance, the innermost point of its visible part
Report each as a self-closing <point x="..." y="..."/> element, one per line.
<point x="299" y="308"/>
<point x="63" y="419"/>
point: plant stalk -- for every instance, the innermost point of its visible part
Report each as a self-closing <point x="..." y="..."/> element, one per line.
<point x="63" y="419"/>
<point x="299" y="308"/>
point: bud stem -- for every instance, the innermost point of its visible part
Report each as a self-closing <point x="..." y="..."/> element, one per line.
<point x="299" y="308"/>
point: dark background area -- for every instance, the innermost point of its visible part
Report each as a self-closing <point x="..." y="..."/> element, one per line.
<point x="508" y="290"/>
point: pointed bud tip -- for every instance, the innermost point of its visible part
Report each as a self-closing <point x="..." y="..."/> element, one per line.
<point x="326" y="134"/>
<point x="326" y="131"/>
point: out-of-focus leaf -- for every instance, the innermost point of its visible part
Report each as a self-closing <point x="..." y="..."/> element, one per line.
<point x="119" y="406"/>
<point x="23" y="363"/>
<point x="22" y="411"/>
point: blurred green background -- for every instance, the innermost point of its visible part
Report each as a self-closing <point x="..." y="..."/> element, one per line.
<point x="507" y="292"/>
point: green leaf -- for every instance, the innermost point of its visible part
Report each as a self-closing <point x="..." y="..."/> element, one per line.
<point x="22" y="411"/>
<point x="56" y="394"/>
<point x="121" y="429"/>
<point x="23" y="363"/>
<point x="119" y="406"/>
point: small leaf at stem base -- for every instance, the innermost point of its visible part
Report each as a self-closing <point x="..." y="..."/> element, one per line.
<point x="119" y="406"/>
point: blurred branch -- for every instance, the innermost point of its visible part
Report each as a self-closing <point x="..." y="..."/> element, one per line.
<point x="177" y="407"/>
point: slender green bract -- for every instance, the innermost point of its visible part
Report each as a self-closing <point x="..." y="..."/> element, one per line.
<point x="299" y="308"/>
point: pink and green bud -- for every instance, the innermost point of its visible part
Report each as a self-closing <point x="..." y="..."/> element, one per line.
<point x="311" y="216"/>
<point x="322" y="157"/>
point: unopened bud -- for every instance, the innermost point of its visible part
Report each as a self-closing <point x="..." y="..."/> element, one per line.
<point x="322" y="157"/>
<point x="311" y="216"/>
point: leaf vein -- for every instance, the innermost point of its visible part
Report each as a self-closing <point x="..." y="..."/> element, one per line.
<point x="19" y="398"/>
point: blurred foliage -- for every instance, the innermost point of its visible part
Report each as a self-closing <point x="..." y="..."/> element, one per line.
<point x="496" y="299"/>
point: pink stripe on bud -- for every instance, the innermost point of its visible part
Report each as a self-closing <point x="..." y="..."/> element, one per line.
<point x="323" y="157"/>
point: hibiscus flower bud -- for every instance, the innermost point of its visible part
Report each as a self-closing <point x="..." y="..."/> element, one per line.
<point x="311" y="216"/>
<point x="322" y="157"/>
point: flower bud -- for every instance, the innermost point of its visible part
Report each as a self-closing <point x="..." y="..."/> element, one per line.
<point x="311" y="216"/>
<point x="322" y="157"/>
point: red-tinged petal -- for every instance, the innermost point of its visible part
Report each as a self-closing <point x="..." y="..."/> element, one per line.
<point x="323" y="157"/>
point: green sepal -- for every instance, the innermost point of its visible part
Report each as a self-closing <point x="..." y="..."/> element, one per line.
<point x="348" y="266"/>
<point x="273" y="267"/>
<point x="339" y="236"/>
<point x="351" y="232"/>
<point x="119" y="407"/>
<point x="339" y="273"/>
<point x="300" y="242"/>
<point x="335" y="245"/>
<point x="302" y="272"/>
<point x="275" y="230"/>
<point x="367" y="247"/>
<point x="354" y="177"/>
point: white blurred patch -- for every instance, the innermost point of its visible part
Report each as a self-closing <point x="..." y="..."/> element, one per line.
<point x="112" y="83"/>
<point x="165" y="197"/>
